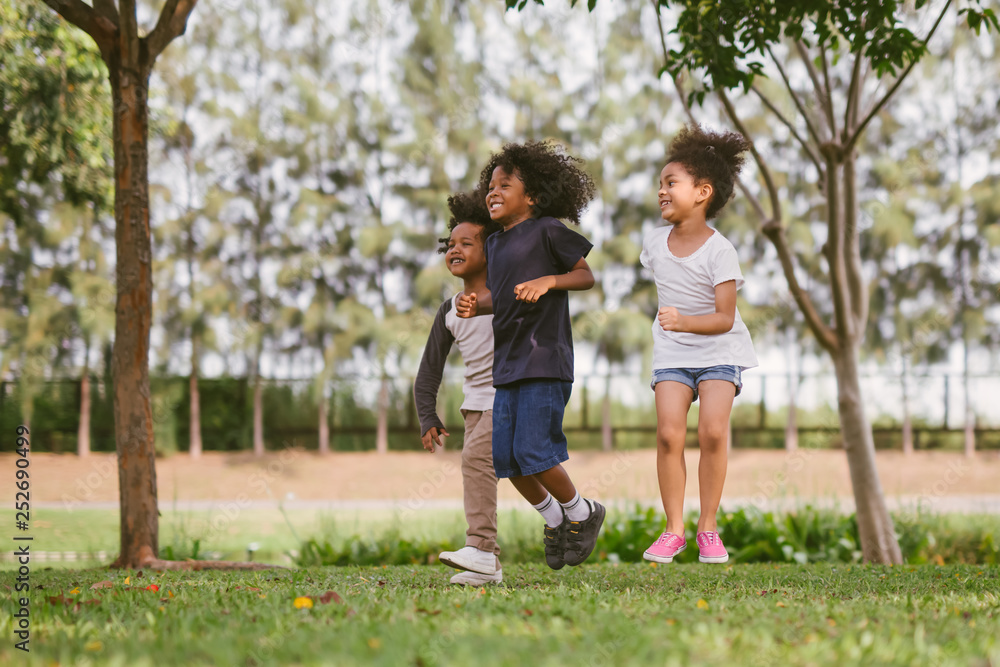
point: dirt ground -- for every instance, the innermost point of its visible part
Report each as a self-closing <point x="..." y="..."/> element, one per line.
<point x="628" y="475"/>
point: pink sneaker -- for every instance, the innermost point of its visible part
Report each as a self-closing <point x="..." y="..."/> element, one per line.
<point x="665" y="548"/>
<point x="710" y="548"/>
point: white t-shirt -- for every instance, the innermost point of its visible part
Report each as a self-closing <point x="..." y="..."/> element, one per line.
<point x="688" y="284"/>
<point x="474" y="337"/>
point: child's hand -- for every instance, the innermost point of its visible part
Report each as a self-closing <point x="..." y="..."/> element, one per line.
<point x="532" y="290"/>
<point x="669" y="318"/>
<point x="467" y="305"/>
<point x="433" y="437"/>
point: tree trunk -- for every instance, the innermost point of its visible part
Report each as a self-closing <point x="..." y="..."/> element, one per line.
<point x="970" y="414"/>
<point x="382" y="428"/>
<point x="875" y="527"/>
<point x="133" y="315"/>
<point x="194" y="448"/>
<point x="907" y="419"/>
<point x="324" y="427"/>
<point x="83" y="431"/>
<point x="258" y="417"/>
<point x="607" y="434"/>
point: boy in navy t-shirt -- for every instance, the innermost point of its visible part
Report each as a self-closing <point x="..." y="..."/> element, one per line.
<point x="532" y="264"/>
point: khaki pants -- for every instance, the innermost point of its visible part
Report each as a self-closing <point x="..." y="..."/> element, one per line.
<point x="479" y="481"/>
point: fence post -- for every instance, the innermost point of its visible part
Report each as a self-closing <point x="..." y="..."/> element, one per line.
<point x="763" y="401"/>
<point x="946" y="401"/>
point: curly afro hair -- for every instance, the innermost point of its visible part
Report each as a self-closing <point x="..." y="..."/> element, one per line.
<point x="716" y="157"/>
<point x="469" y="207"/>
<point x="560" y="188"/>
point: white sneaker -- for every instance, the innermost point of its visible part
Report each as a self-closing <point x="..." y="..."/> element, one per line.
<point x="475" y="579"/>
<point x="471" y="559"/>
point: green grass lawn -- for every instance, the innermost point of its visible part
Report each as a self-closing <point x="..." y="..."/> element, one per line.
<point x="593" y="615"/>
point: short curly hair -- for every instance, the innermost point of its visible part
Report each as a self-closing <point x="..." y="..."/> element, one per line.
<point x="469" y="207"/>
<point x="560" y="188"/>
<point x="716" y="157"/>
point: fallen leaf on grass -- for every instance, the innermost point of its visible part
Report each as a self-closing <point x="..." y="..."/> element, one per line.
<point x="528" y="612"/>
<point x="75" y="591"/>
<point x="671" y="621"/>
<point x="432" y="612"/>
<point x="779" y="603"/>
<point x="303" y="603"/>
<point x="170" y="593"/>
<point x="153" y="587"/>
<point x="59" y="599"/>
<point x="375" y="643"/>
<point x="93" y="646"/>
<point x="128" y="580"/>
<point x="330" y="595"/>
<point x="246" y="588"/>
<point x="102" y="584"/>
<point x="702" y="604"/>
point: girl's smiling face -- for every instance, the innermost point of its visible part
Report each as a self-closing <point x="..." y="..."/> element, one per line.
<point x="466" y="256"/>
<point x="679" y="195"/>
<point x="505" y="199"/>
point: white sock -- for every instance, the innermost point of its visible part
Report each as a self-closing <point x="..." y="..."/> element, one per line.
<point x="577" y="509"/>
<point x="550" y="511"/>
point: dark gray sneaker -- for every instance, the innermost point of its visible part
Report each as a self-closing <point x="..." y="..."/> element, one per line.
<point x="555" y="544"/>
<point x="581" y="536"/>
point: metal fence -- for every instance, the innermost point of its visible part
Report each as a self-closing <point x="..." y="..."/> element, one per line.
<point x="618" y="409"/>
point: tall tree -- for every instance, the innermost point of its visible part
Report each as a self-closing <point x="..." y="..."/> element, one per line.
<point x="130" y="58"/>
<point x="55" y="190"/>
<point x="828" y="110"/>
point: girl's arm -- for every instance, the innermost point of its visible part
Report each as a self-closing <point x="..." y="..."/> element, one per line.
<point x="580" y="277"/>
<point x="719" y="322"/>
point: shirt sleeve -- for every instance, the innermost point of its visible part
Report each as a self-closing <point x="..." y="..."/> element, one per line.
<point x="726" y="266"/>
<point x="428" y="381"/>
<point x="644" y="257"/>
<point x="566" y="246"/>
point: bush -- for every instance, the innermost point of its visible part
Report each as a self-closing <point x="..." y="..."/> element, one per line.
<point x="808" y="535"/>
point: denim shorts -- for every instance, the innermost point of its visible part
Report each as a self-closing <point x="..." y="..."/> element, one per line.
<point x="693" y="376"/>
<point x="527" y="426"/>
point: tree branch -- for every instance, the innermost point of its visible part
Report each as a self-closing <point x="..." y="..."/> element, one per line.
<point x="835" y="254"/>
<point x="795" y="97"/>
<point x="171" y="24"/>
<point x="810" y="151"/>
<point x="666" y="62"/>
<point x="107" y="9"/>
<point x="828" y="100"/>
<point x="824" y="335"/>
<point x="822" y="92"/>
<point x="765" y="172"/>
<point x="853" y="93"/>
<point x="885" y="99"/>
<point x="754" y="201"/>
<point x="83" y="16"/>
<point x="852" y="250"/>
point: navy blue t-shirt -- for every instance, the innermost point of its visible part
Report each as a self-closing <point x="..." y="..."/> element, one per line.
<point x="532" y="340"/>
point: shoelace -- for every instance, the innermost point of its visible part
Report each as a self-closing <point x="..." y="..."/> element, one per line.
<point x="664" y="538"/>
<point x="711" y="538"/>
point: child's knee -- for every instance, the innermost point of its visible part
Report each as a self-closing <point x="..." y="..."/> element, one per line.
<point x="713" y="436"/>
<point x="671" y="438"/>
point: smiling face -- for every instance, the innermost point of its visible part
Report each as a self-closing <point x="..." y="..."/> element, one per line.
<point x="679" y="195"/>
<point x="466" y="255"/>
<point x="506" y="200"/>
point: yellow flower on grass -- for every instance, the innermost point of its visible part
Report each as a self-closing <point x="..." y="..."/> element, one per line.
<point x="74" y="591"/>
<point x="702" y="604"/>
<point x="303" y="603"/>
<point x="93" y="646"/>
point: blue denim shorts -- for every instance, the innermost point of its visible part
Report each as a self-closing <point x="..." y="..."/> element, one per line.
<point x="527" y="426"/>
<point x="693" y="376"/>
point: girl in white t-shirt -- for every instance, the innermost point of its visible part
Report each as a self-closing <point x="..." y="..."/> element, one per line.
<point x="700" y="344"/>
